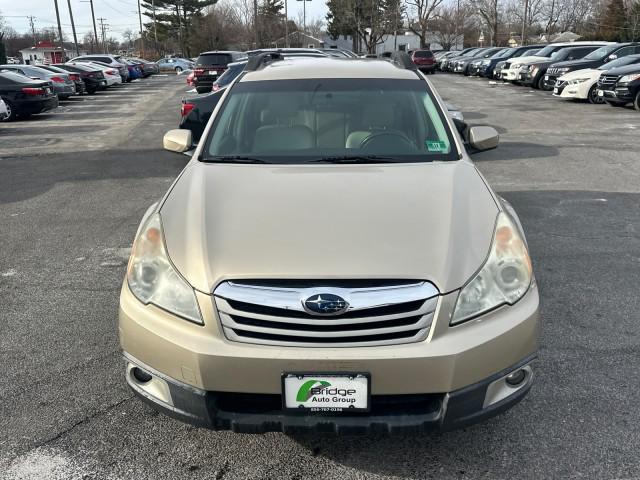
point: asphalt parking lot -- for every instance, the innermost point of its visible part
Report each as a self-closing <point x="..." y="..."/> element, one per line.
<point x="69" y="208"/>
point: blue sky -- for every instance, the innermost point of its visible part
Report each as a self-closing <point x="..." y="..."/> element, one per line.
<point x="119" y="14"/>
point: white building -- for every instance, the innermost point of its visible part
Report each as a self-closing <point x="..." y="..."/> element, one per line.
<point x="403" y="41"/>
<point x="46" y="52"/>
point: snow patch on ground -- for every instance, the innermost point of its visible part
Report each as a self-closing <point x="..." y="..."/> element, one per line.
<point x="9" y="273"/>
<point x="45" y="464"/>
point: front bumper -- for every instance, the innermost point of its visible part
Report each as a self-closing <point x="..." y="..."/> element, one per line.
<point x="200" y="360"/>
<point x="510" y="75"/>
<point x="550" y="81"/>
<point x="391" y="414"/>
<point x="619" y="95"/>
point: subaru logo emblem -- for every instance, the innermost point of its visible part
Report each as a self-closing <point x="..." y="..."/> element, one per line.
<point x="325" y="304"/>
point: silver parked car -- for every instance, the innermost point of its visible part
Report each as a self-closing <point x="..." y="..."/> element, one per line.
<point x="63" y="86"/>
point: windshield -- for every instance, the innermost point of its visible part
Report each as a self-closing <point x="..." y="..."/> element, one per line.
<point x="621" y="62"/>
<point x="230" y="74"/>
<point x="546" y="51"/>
<point x="502" y="53"/>
<point x="601" y="52"/>
<point x="214" y="59"/>
<point x="332" y="120"/>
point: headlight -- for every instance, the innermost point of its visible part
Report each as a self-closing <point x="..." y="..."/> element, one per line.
<point x="516" y="66"/>
<point x="576" y="81"/>
<point x="629" y="78"/>
<point x="486" y="62"/>
<point x="503" y="279"/>
<point x="563" y="70"/>
<point x="153" y="279"/>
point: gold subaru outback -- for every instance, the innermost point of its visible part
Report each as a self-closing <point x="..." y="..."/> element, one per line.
<point x="330" y="260"/>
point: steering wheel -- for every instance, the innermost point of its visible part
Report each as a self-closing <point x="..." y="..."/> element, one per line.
<point x="388" y="142"/>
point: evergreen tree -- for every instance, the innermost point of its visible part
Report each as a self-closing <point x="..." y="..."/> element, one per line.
<point x="174" y="20"/>
<point x="614" y="21"/>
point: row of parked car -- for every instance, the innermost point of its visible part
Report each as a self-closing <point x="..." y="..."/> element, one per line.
<point x="30" y="89"/>
<point x="215" y="71"/>
<point x="599" y="72"/>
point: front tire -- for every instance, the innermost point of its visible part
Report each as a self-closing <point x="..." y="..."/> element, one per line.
<point x="540" y="83"/>
<point x="636" y="102"/>
<point x="593" y="95"/>
<point x="178" y="70"/>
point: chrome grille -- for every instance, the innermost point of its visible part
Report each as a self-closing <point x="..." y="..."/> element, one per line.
<point x="274" y="314"/>
<point x="607" y="82"/>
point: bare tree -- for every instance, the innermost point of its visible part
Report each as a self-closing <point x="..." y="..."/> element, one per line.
<point x="489" y="11"/>
<point x="420" y="13"/>
<point x="449" y="25"/>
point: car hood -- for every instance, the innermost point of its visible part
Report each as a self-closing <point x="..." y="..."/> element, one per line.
<point x="625" y="70"/>
<point x="577" y="64"/>
<point x="432" y="221"/>
<point x="584" y="73"/>
<point x="527" y="60"/>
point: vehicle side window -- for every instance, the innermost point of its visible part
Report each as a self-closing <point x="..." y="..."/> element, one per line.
<point x="104" y="59"/>
<point x="623" y="52"/>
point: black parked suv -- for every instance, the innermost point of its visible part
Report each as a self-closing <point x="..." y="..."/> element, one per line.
<point x="621" y="86"/>
<point x="488" y="65"/>
<point x="595" y="59"/>
<point x="534" y="73"/>
<point x="210" y="65"/>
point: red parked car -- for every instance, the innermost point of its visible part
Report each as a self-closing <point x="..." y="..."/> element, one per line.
<point x="424" y="60"/>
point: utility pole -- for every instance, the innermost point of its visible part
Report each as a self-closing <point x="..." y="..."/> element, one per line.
<point x="155" y="31"/>
<point x="255" y="21"/>
<point x="73" y="28"/>
<point x="55" y="2"/>
<point x="304" y="15"/>
<point x="95" y="30"/>
<point x="286" y="25"/>
<point x="103" y="29"/>
<point x="524" y="22"/>
<point x="457" y="20"/>
<point x="141" y="38"/>
<point x="33" y="29"/>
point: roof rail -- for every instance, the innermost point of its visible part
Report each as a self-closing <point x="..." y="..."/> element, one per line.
<point x="258" y="61"/>
<point x="403" y="60"/>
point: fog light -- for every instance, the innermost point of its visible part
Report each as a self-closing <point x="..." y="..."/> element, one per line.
<point x="516" y="378"/>
<point x="141" y="375"/>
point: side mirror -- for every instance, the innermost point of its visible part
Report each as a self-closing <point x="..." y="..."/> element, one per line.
<point x="483" y="138"/>
<point x="611" y="57"/>
<point x="178" y="140"/>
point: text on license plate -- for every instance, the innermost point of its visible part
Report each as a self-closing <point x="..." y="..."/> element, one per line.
<point x="326" y="392"/>
<point x="600" y="93"/>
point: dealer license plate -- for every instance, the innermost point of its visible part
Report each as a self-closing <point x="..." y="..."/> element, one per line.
<point x="312" y="392"/>
<point x="600" y="93"/>
<point x="546" y="78"/>
<point x="555" y="90"/>
<point x="213" y="72"/>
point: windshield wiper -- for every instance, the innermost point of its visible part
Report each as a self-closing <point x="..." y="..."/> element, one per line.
<point x="354" y="159"/>
<point x="233" y="159"/>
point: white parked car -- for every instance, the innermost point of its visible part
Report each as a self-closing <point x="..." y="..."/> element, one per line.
<point x="583" y="84"/>
<point x="111" y="74"/>
<point x="511" y="70"/>
<point x="4" y="113"/>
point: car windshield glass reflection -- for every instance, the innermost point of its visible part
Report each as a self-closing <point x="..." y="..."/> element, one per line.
<point x="300" y="121"/>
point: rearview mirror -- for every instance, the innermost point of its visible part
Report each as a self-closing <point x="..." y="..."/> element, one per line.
<point x="179" y="140"/>
<point x="483" y="138"/>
